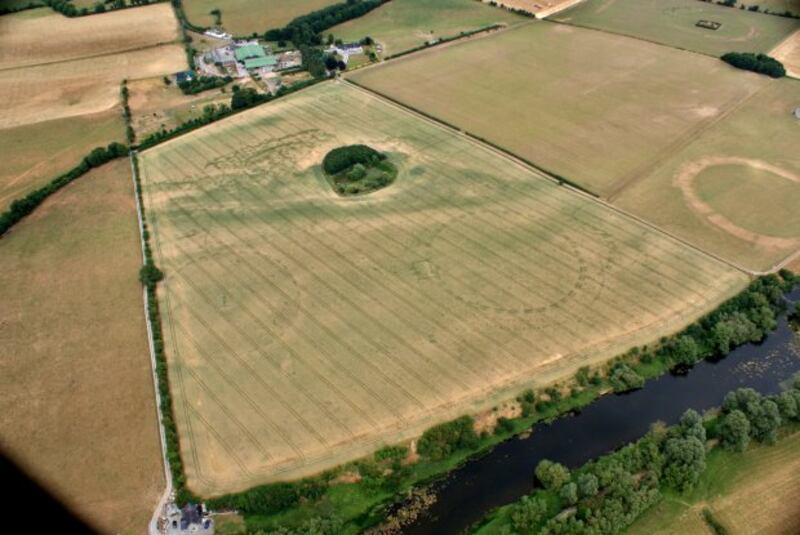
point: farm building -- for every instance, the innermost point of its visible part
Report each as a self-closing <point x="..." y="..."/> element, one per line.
<point x="190" y="520"/>
<point x="223" y="56"/>
<point x="184" y="76"/>
<point x="248" y="50"/>
<point x="289" y="60"/>
<point x="797" y="113"/>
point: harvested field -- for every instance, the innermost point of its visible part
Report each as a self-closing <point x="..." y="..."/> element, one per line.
<point x="674" y="23"/>
<point x="788" y="53"/>
<point x="77" y="409"/>
<point x="243" y="17"/>
<point x="580" y="103"/>
<point x="734" y="190"/>
<point x="304" y="329"/>
<point x="540" y="8"/>
<point x="750" y="494"/>
<point x="79" y="87"/>
<point x="23" y="42"/>
<point x="32" y="155"/>
<point x="404" y="24"/>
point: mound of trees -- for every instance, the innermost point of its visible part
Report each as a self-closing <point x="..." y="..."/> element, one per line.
<point x="760" y="63"/>
<point x="356" y="169"/>
<point x="342" y="158"/>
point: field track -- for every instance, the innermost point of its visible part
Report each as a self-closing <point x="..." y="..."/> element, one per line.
<point x="304" y="330"/>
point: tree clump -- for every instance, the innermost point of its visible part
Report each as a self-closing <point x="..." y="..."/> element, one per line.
<point x="357" y="169"/>
<point x="760" y="63"/>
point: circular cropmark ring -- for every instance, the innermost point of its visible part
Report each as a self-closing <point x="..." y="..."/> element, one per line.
<point x="684" y="180"/>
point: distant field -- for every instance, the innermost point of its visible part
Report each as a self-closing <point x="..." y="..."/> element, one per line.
<point x="77" y="408"/>
<point x="734" y="190"/>
<point x="34" y="154"/>
<point x="673" y="23"/>
<point x="593" y="107"/>
<point x="243" y="17"/>
<point x="305" y="329"/>
<point x="788" y="53"/>
<point x="52" y="38"/>
<point x="404" y="24"/>
<point x="540" y="8"/>
<point x="754" y="493"/>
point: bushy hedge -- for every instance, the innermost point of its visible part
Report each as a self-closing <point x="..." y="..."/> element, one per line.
<point x="66" y="8"/>
<point x="760" y="63"/>
<point x="442" y="440"/>
<point x="24" y="206"/>
<point x="203" y="83"/>
<point x="444" y="40"/>
<point x="306" y="28"/>
<point x="342" y="158"/>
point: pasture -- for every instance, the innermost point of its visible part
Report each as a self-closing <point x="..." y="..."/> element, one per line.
<point x="753" y="493"/>
<point x="593" y="107"/>
<point x="304" y="329"/>
<point x="734" y="190"/>
<point x="244" y="17"/>
<point x="34" y="154"/>
<point x="674" y="23"/>
<point x="27" y="41"/>
<point x="77" y="406"/>
<point x="404" y="24"/>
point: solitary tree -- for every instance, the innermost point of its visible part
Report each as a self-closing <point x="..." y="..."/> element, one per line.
<point x="735" y="431"/>
<point x="551" y="475"/>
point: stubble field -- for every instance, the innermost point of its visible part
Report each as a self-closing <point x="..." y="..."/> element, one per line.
<point x="673" y="23"/>
<point x="77" y="409"/>
<point x="305" y="329"/>
<point x="404" y="24"/>
<point x="596" y="108"/>
<point x="788" y="53"/>
<point x="734" y="191"/>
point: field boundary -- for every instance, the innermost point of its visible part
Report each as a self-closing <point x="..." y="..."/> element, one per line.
<point x="563" y="182"/>
<point x="153" y="525"/>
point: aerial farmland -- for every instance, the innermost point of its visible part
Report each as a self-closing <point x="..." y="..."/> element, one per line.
<point x="401" y="266"/>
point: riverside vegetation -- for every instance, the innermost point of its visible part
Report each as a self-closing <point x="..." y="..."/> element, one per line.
<point x="603" y="496"/>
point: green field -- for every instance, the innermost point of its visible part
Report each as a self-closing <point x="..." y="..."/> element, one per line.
<point x="754" y="493"/>
<point x="596" y="108"/>
<point x="304" y="329"/>
<point x="734" y="190"/>
<point x="404" y="24"/>
<point x="243" y="17"/>
<point x="673" y="23"/>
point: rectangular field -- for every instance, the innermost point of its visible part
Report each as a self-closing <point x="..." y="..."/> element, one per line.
<point x="304" y="329"/>
<point x="77" y="406"/>
<point x="788" y="53"/>
<point x="404" y="24"/>
<point x="593" y="107"/>
<point x="674" y="23"/>
<point x="735" y="189"/>
<point x="50" y="37"/>
<point x="243" y="17"/>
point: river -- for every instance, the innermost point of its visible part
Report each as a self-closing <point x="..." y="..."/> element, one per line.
<point x="505" y="473"/>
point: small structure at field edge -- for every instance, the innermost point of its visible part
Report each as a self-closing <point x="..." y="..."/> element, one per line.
<point x="709" y="24"/>
<point x="190" y="520"/>
<point x="797" y="113"/>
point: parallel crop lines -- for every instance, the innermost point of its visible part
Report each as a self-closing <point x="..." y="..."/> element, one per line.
<point x="319" y="328"/>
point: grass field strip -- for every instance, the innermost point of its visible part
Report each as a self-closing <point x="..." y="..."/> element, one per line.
<point x="297" y="380"/>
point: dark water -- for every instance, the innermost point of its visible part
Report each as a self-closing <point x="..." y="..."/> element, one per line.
<point x="506" y="473"/>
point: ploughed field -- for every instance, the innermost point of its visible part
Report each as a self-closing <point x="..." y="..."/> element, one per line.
<point x="304" y="329"/>
<point x="596" y="108"/>
<point x="674" y="23"/>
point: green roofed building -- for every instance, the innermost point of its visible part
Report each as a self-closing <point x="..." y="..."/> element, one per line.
<point x="249" y="51"/>
<point x="257" y="63"/>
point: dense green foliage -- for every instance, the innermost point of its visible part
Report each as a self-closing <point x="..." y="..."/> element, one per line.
<point x="66" y="8"/>
<point x="551" y="475"/>
<point x="306" y="29"/>
<point x="760" y="63"/>
<point x="342" y="158"/>
<point x="623" y="378"/>
<point x="440" y="441"/>
<point x="24" y="206"/>
<point x="203" y="83"/>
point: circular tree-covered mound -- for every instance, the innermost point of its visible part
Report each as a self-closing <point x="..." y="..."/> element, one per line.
<point x="358" y="169"/>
